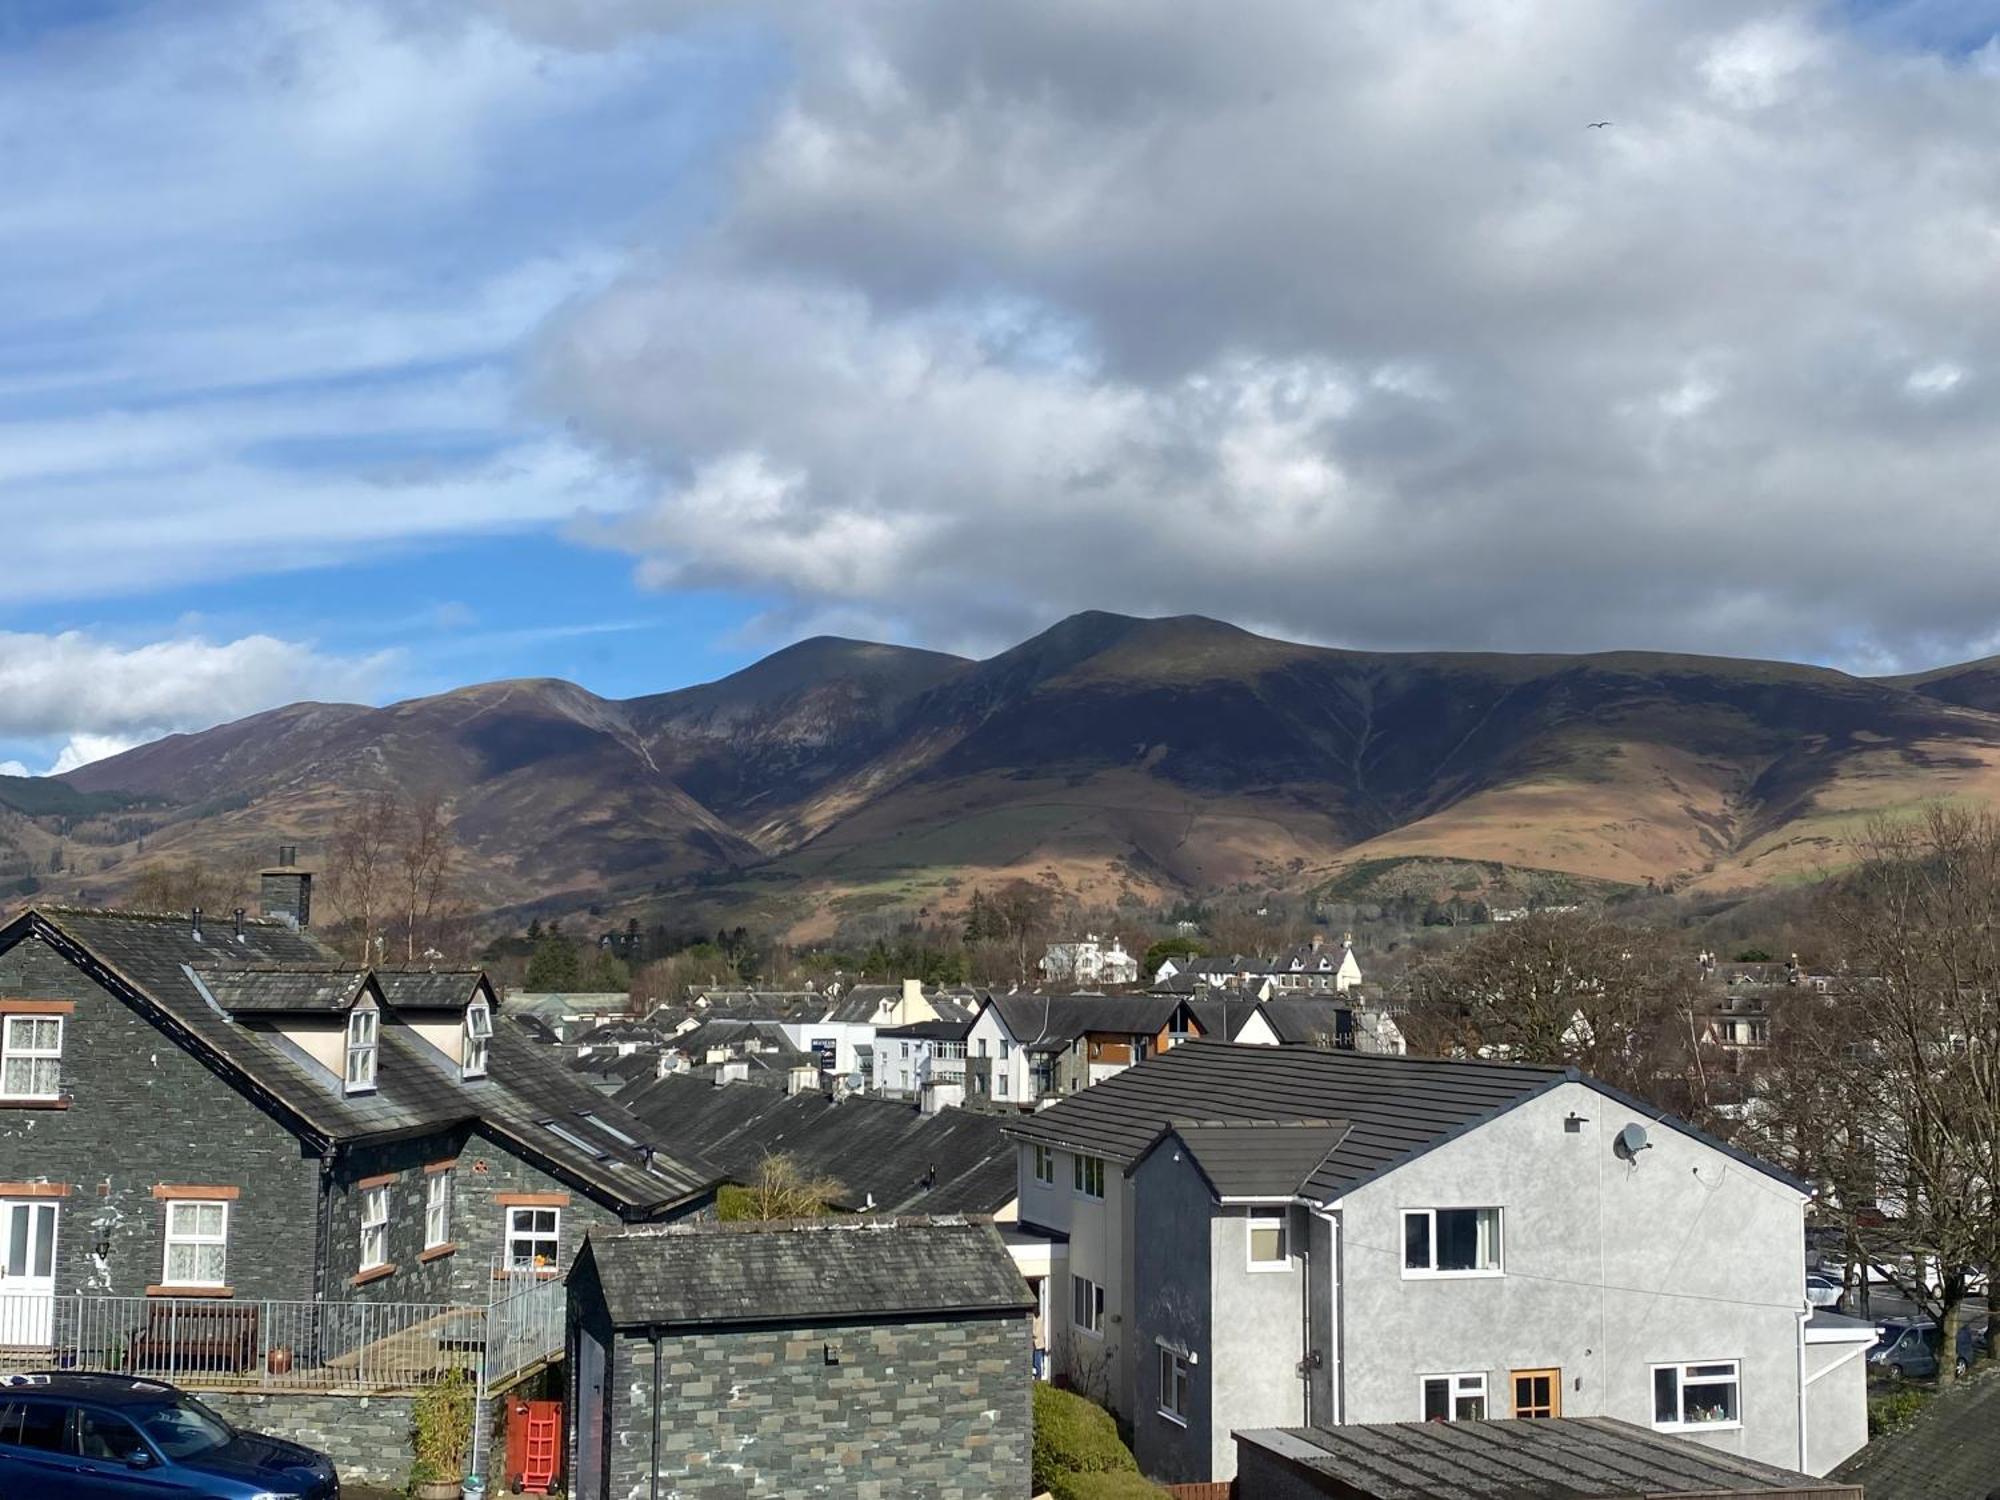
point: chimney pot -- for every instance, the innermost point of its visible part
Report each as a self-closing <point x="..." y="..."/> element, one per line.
<point x="239" y="924"/>
<point x="288" y="855"/>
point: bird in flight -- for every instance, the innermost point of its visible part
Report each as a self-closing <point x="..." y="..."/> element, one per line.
<point x="1597" y="124"/>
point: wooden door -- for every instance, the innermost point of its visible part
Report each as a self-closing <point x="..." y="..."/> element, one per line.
<point x="1538" y="1393"/>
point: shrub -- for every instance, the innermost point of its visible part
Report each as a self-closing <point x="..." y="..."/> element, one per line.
<point x="1894" y="1411"/>
<point x="1074" y="1436"/>
<point x="1116" y="1485"/>
<point x="442" y="1420"/>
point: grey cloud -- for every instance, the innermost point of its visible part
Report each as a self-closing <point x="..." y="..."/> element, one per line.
<point x="1336" y="318"/>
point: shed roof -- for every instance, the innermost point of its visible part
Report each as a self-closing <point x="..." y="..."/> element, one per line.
<point x="842" y="1269"/>
<point x="1565" y="1458"/>
<point x="1950" y="1451"/>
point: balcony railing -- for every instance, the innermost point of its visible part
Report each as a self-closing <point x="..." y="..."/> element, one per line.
<point x="232" y="1344"/>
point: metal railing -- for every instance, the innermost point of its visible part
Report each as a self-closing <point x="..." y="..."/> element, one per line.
<point x="230" y="1343"/>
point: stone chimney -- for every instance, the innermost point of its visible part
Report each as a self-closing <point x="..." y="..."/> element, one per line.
<point x="285" y="891"/>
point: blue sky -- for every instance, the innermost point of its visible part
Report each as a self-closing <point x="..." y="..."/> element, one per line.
<point x="366" y="349"/>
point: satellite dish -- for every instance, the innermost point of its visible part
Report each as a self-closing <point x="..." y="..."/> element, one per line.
<point x="854" y="1081"/>
<point x="1631" y="1141"/>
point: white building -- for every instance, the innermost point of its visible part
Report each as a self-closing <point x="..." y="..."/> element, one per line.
<point x="1260" y="1237"/>
<point x="1089" y="962"/>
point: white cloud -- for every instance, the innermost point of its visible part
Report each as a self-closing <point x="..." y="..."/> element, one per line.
<point x="14" y="768"/>
<point x="1334" y="315"/>
<point x="101" y="697"/>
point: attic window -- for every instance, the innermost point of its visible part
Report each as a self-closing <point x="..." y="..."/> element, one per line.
<point x="362" y="1026"/>
<point x="564" y="1133"/>
<point x="611" y="1130"/>
<point x="478" y="1036"/>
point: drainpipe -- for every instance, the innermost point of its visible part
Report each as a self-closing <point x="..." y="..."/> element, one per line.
<point x="1306" y="1328"/>
<point x="1338" y="1380"/>
<point x="1804" y="1316"/>
<point x="653" y="1489"/>
<point x="323" y="1228"/>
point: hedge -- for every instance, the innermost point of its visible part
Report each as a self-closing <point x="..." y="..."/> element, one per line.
<point x="1120" y="1484"/>
<point x="1074" y="1436"/>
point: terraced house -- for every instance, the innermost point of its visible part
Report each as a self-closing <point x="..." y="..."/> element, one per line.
<point x="224" y="1110"/>
<point x="1289" y="1237"/>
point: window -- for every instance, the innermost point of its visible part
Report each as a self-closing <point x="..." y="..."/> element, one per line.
<point x="534" y="1241"/>
<point x="32" y="1050"/>
<point x="437" y="1209"/>
<point x="570" y="1137"/>
<point x="1086" y="1306"/>
<point x="361" y="1032"/>
<point x="478" y="1037"/>
<point x="1454" y="1398"/>
<point x="33" y="1424"/>
<point x="1451" y="1242"/>
<point x="598" y="1122"/>
<point x="1006" y="1049"/>
<point x="1538" y="1393"/>
<point x="197" y="1244"/>
<point x="1045" y="1165"/>
<point x="1270" y="1248"/>
<point x="1000" y="1085"/>
<point x="104" y="1437"/>
<point x="374" y="1227"/>
<point x="982" y="1046"/>
<point x="1697" y="1395"/>
<point x="1088" y="1172"/>
<point x="1174" y="1381"/>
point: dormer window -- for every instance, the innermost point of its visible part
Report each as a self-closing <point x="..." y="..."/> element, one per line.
<point x="362" y="1029"/>
<point x="478" y="1034"/>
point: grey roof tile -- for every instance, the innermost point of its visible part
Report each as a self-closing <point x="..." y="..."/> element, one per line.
<point x="1567" y="1458"/>
<point x="1951" y="1451"/>
<point x="840" y="1269"/>
<point x="1256" y="1158"/>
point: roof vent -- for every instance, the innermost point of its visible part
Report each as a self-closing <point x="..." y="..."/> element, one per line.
<point x="239" y="924"/>
<point x="194" y="924"/>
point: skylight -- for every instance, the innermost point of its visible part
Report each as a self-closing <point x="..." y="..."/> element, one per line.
<point x="611" y="1130"/>
<point x="564" y="1133"/>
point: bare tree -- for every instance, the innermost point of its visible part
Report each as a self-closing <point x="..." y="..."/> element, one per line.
<point x="422" y="863"/>
<point x="360" y="859"/>
<point x="785" y="1189"/>
<point x="179" y="885"/>
<point x="1886" y="1087"/>
<point x="1623" y="1004"/>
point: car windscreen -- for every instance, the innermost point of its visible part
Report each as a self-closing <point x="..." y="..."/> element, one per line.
<point x="182" y="1429"/>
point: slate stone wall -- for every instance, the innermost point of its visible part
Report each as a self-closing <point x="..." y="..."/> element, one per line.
<point x="368" y="1437"/>
<point x="935" y="1409"/>
<point x="143" y="1112"/>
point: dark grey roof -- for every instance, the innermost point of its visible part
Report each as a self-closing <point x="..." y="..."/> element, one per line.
<point x="927" y="1031"/>
<point x="284" y="988"/>
<point x="154" y="960"/>
<point x="1307" y="1022"/>
<point x="1950" y="1451"/>
<point x="1397" y="1107"/>
<point x="883" y="1152"/>
<point x="1566" y="1458"/>
<point x="839" y="1269"/>
<point x="1256" y="1158"/>
<point x="431" y="989"/>
<point x="1044" y="1021"/>
<point x="763" y="1036"/>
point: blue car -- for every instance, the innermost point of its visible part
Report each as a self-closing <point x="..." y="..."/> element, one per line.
<point x="111" y="1437"/>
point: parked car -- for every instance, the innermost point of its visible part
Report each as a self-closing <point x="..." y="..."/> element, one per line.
<point x="1909" y="1347"/>
<point x="107" y="1437"/>
<point x="1823" y="1290"/>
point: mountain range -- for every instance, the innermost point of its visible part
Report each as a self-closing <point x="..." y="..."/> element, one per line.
<point x="1109" y="755"/>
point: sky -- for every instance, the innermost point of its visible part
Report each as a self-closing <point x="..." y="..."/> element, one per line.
<point x="358" y="349"/>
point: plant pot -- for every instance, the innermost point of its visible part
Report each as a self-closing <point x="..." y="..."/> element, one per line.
<point x="279" y="1361"/>
<point x="435" y="1489"/>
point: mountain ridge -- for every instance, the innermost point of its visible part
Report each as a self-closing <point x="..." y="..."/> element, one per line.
<point x="1110" y="755"/>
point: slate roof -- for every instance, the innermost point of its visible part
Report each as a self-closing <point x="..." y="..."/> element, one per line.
<point x="954" y="1161"/>
<point x="1053" y="1022"/>
<point x="277" y="989"/>
<point x="1398" y="1107"/>
<point x="844" y="1269"/>
<point x="1219" y="1015"/>
<point x="1256" y="1158"/>
<point x="1306" y="1022"/>
<point x="764" y="1036"/>
<point x="431" y="989"/>
<point x="1950" y="1451"/>
<point x="157" y="961"/>
<point x="926" y="1031"/>
<point x="1565" y="1458"/>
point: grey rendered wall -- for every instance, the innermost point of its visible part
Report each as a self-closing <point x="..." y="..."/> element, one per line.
<point x="1681" y="1254"/>
<point x="1101" y="1247"/>
<point x="1836" y="1405"/>
<point x="935" y="1409"/>
<point x="1259" y="1339"/>
<point x="145" y="1113"/>
<point x="1172" y="1301"/>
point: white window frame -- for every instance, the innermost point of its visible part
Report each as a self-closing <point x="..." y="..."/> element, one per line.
<point x="171" y="1239"/>
<point x="361" y="1051"/>
<point x="1000" y="1085"/>
<point x="1430" y="1272"/>
<point x="1086" y="1171"/>
<point x="437" y="1205"/>
<point x="477" y="1041"/>
<point x="1254" y="1221"/>
<point x="1045" y="1166"/>
<point x="1457" y="1387"/>
<point x="1176" y="1385"/>
<point x="375" y="1226"/>
<point x="11" y="1052"/>
<point x="1681" y="1372"/>
<point x="1093" y="1305"/>
<point x="509" y="1234"/>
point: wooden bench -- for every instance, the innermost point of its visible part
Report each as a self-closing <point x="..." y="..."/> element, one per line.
<point x="215" y="1336"/>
